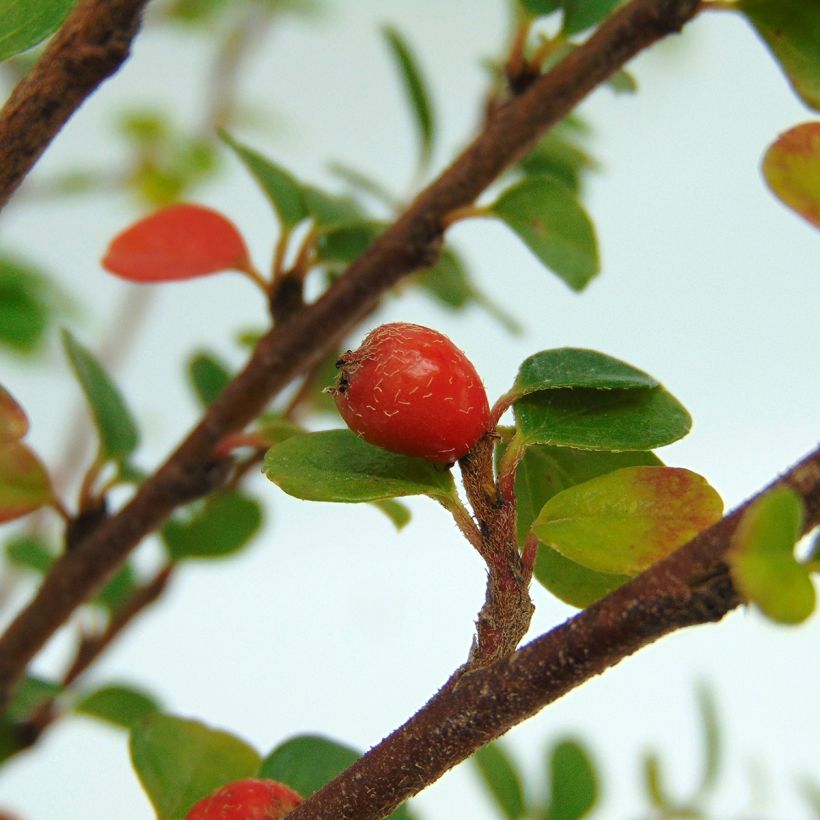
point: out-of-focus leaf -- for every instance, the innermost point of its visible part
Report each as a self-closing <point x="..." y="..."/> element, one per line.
<point x="118" y="589"/>
<point x="30" y="695"/>
<point x="30" y="552"/>
<point x="308" y="762"/>
<point x="24" y="482"/>
<point x="115" y="425"/>
<point x="208" y="375"/>
<point x="336" y="465"/>
<point x="791" y="167"/>
<point x="711" y="740"/>
<point x="762" y="562"/>
<point x="501" y="779"/>
<point x="275" y="429"/>
<point x="344" y="243"/>
<point x="539" y="8"/>
<point x="791" y="30"/>
<point x="26" y="306"/>
<point x="626" y="520"/>
<point x="222" y="525"/>
<point x="117" y="704"/>
<point x="447" y="281"/>
<point x="363" y="183"/>
<point x="416" y="88"/>
<point x="557" y="155"/>
<point x="284" y="192"/>
<point x="13" y="420"/>
<point x="580" y="15"/>
<point x="328" y="210"/>
<point x="551" y="222"/>
<point x="181" y="761"/>
<point x="24" y="23"/>
<point x="397" y="512"/>
<point x="574" y="789"/>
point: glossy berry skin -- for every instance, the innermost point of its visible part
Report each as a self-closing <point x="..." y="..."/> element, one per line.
<point x="409" y="389"/>
<point x="247" y="800"/>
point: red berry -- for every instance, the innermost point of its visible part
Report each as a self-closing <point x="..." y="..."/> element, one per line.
<point x="178" y="242"/>
<point x="247" y="800"/>
<point x="409" y="389"/>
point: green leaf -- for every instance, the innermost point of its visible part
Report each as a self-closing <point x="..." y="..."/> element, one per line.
<point x="447" y="281"/>
<point x="762" y="562"/>
<point x="791" y="167"/>
<point x="573" y="781"/>
<point x="397" y="512"/>
<point x="328" y="210"/>
<point x="791" y="30"/>
<point x="118" y="590"/>
<point x="501" y="779"/>
<point x="208" y="375"/>
<point x="13" y="420"/>
<point x="274" y="429"/>
<point x="625" y="521"/>
<point x="712" y="743"/>
<point x="25" y="485"/>
<point x="25" y="306"/>
<point x="557" y="155"/>
<point x="577" y="367"/>
<point x="24" y="23"/>
<point x="579" y="15"/>
<point x="570" y="582"/>
<point x="120" y="705"/>
<point x="284" y="192"/>
<point x="222" y="525"/>
<point x="181" y="761"/>
<point x="551" y="222"/>
<point x="336" y="465"/>
<point x="115" y="426"/>
<point x="306" y="763"/>
<point x="344" y="243"/>
<point x="415" y="87"/>
<point x="654" y="783"/>
<point x="636" y="419"/>
<point x="30" y="552"/>
<point x="539" y="8"/>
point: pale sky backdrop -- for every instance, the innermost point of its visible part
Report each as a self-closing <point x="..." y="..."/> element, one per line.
<point x="334" y="623"/>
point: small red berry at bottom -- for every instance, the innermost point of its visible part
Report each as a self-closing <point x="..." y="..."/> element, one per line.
<point x="410" y="390"/>
<point x="250" y="799"/>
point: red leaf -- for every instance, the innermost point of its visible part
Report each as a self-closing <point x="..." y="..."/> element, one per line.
<point x="178" y="242"/>
<point x="13" y="421"/>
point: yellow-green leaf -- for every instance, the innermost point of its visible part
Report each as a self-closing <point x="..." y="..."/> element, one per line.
<point x="13" y="420"/>
<point x="24" y="482"/>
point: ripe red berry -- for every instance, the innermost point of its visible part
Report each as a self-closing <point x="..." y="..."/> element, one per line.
<point x="409" y="389"/>
<point x="247" y="800"/>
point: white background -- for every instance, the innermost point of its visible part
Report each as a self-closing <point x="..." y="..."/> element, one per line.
<point x="332" y="622"/>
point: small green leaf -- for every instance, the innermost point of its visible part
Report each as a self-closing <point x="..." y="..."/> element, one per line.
<point x="30" y="552"/>
<point x="118" y="590"/>
<point x="625" y="521"/>
<point x="329" y="211"/>
<point x="13" y="420"/>
<point x="117" y="430"/>
<point x="397" y="512"/>
<point x="284" y="192"/>
<point x="32" y="693"/>
<point x="573" y="781"/>
<point x="791" y="167"/>
<point x="120" y="705"/>
<point x="181" y="761"/>
<point x="577" y="367"/>
<point x="447" y="281"/>
<point x="208" y="375"/>
<point x="222" y="525"/>
<point x="539" y="8"/>
<point x="570" y="582"/>
<point x="550" y="220"/>
<point x="579" y="15"/>
<point x="636" y="419"/>
<point x="622" y="82"/>
<point x="336" y="465"/>
<point x="791" y="30"/>
<point x="557" y="155"/>
<point x="24" y="23"/>
<point x="654" y="783"/>
<point x="25" y="306"/>
<point x="712" y="744"/>
<point x="501" y="779"/>
<point x="415" y="87"/>
<point x="306" y="763"/>
<point x="274" y="429"/>
<point x="344" y="243"/>
<point x="25" y="485"/>
<point x="762" y="562"/>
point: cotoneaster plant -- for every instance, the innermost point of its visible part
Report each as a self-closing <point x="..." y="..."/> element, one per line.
<point x="410" y="390"/>
<point x="250" y="799"/>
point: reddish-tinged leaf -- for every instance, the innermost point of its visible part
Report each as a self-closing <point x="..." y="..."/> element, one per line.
<point x="13" y="421"/>
<point x="792" y="169"/>
<point x="24" y="482"/>
<point x="624" y="521"/>
<point x="178" y="242"/>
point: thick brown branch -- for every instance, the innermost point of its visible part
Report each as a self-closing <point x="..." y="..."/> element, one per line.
<point x="293" y="346"/>
<point x="692" y="586"/>
<point x="91" y="45"/>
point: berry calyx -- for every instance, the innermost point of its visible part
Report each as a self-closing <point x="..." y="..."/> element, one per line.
<point x="410" y="390"/>
<point x="250" y="799"/>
